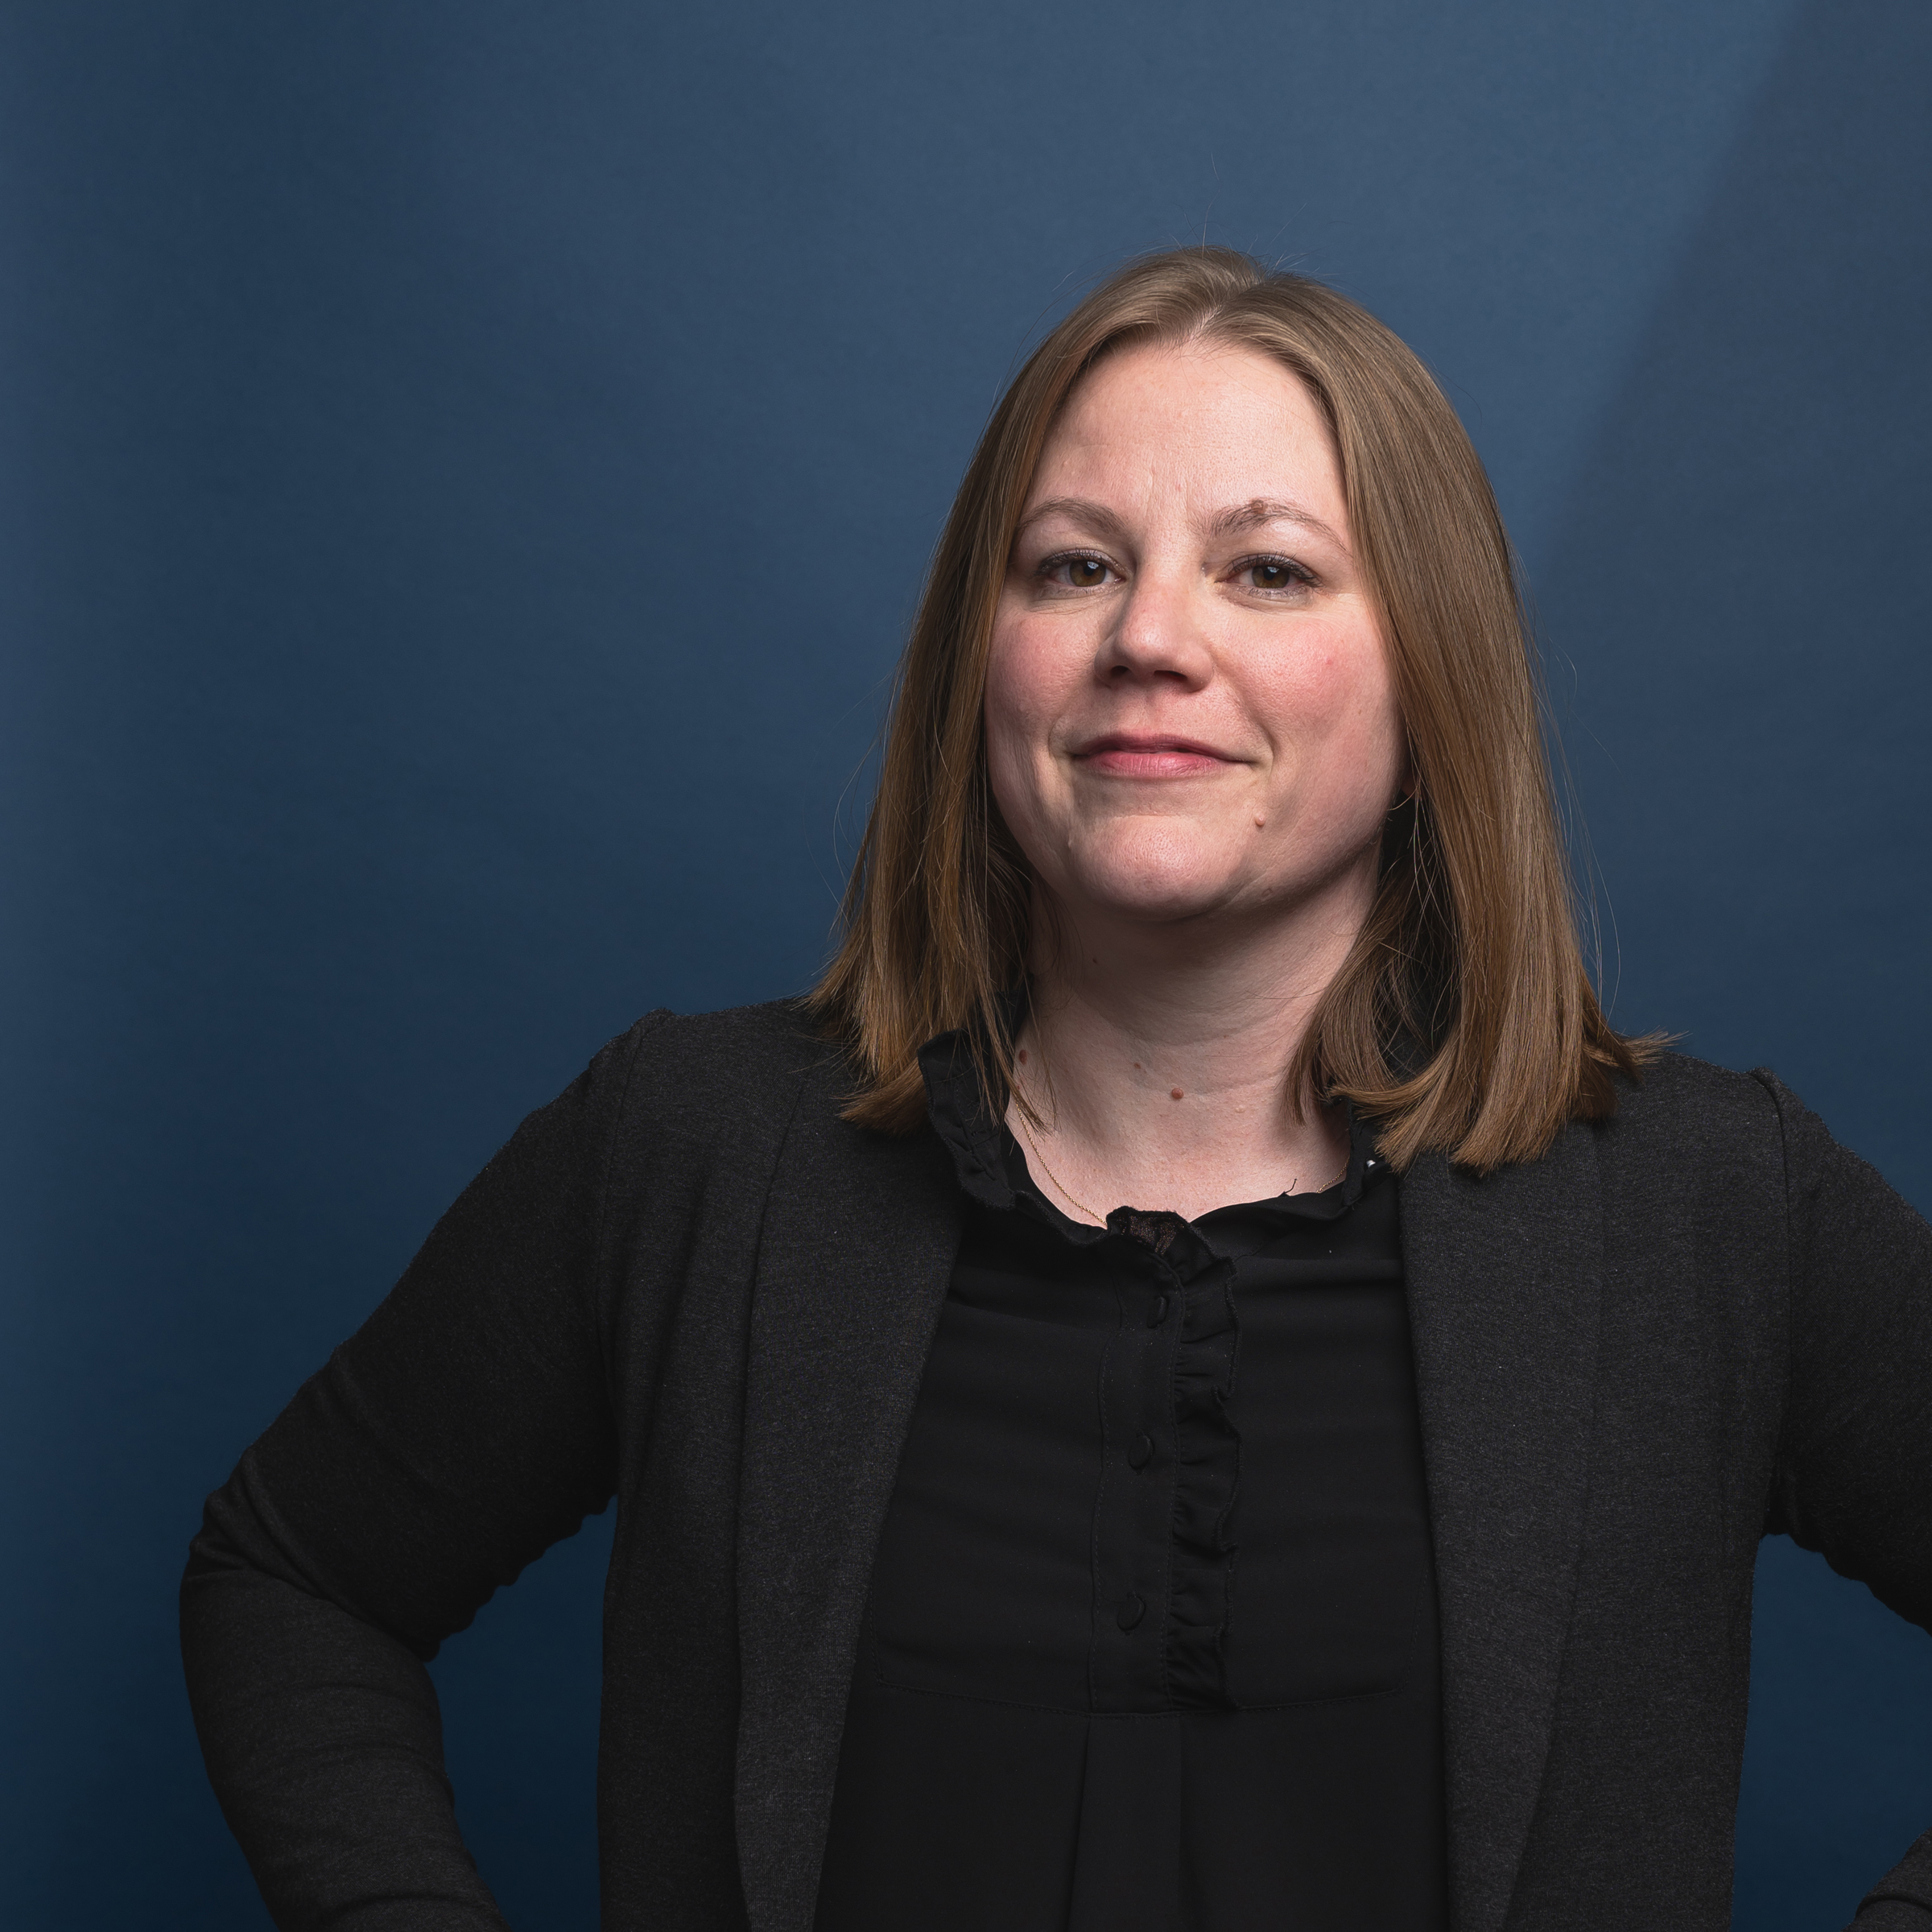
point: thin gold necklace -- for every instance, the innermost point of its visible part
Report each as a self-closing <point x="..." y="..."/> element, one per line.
<point x="1066" y="1194"/>
<point x="1059" y="1187"/>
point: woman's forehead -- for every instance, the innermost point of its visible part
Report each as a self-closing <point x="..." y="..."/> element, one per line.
<point x="1216" y="426"/>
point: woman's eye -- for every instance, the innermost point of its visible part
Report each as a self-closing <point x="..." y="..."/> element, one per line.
<point x="1272" y="573"/>
<point x="1081" y="573"/>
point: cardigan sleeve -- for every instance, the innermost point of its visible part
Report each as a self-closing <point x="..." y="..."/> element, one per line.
<point x="1854" y="1473"/>
<point x="462" y="1431"/>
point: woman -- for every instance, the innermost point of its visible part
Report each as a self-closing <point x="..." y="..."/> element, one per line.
<point x="1354" y="1528"/>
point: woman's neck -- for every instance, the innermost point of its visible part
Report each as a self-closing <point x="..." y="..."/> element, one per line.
<point x="1158" y="1065"/>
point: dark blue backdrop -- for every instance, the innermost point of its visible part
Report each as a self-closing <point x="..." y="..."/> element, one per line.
<point x="466" y="469"/>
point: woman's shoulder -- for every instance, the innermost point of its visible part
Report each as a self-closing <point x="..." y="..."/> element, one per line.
<point x="697" y="1105"/>
<point x="776" y="1039"/>
<point x="729" y="1062"/>
<point x="1680" y="1107"/>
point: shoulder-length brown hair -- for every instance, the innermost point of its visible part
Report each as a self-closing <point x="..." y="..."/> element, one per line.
<point x="1463" y="1019"/>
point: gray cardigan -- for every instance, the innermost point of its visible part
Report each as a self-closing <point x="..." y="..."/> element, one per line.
<point x="687" y="1284"/>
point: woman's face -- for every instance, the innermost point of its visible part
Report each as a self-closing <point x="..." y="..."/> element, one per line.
<point x="1188" y="708"/>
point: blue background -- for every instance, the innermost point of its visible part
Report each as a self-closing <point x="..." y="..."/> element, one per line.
<point x="464" y="471"/>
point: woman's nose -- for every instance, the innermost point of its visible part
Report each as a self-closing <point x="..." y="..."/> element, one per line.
<point x="1158" y="633"/>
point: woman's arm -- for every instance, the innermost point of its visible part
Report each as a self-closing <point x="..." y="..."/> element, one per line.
<point x="465" y="1428"/>
<point x="1855" y="1462"/>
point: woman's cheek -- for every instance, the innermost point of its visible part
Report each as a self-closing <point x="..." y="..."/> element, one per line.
<point x="1011" y="769"/>
<point x="1021" y="705"/>
<point x="1027" y="665"/>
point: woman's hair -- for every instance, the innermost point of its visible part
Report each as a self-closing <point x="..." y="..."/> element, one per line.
<point x="1463" y="1019"/>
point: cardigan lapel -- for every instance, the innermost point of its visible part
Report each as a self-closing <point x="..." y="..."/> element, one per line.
<point x="860" y="1235"/>
<point x="1504" y="1286"/>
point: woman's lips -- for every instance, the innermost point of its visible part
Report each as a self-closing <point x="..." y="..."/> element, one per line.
<point x="1119" y="755"/>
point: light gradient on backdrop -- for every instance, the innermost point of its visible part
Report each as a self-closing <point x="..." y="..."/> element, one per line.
<point x="468" y="470"/>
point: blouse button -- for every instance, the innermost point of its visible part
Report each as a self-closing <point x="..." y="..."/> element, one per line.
<point x="1138" y="1451"/>
<point x="1158" y="1313"/>
<point x="1130" y="1612"/>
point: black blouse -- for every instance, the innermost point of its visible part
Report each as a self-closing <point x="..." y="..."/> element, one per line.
<point x="1151" y="1641"/>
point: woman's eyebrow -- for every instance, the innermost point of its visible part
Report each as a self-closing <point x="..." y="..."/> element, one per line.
<point x="1096" y="517"/>
<point x="1235" y="522"/>
<point x="1260" y="510"/>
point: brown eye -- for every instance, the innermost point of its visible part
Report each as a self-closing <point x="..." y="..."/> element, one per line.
<point x="1266" y="575"/>
<point x="1085" y="573"/>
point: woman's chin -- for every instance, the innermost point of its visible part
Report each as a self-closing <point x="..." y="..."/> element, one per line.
<point x="1165" y="895"/>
